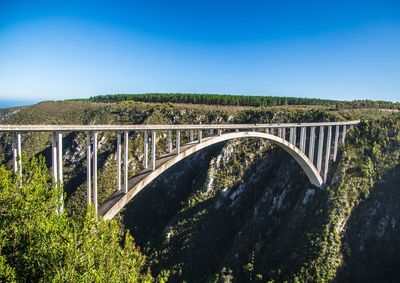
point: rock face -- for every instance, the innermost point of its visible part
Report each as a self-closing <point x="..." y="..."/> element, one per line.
<point x="372" y="237"/>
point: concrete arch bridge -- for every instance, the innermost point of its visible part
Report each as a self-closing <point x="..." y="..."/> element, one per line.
<point x="312" y="145"/>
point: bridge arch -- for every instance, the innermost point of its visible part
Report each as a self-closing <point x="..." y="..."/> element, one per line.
<point x="119" y="199"/>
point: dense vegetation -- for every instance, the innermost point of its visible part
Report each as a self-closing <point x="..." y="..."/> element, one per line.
<point x="366" y="177"/>
<point x="233" y="214"/>
<point x="37" y="244"/>
<point x="241" y="100"/>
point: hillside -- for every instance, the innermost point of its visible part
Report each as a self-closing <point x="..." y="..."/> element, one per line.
<point x="242" y="210"/>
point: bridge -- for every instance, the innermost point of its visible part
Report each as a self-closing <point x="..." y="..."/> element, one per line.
<point x="312" y="145"/>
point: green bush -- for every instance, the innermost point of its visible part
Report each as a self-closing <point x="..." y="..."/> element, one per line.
<point x="39" y="244"/>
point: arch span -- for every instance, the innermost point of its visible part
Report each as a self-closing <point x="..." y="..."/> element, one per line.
<point x="118" y="200"/>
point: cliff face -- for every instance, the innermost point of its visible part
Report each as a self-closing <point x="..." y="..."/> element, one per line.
<point x="243" y="210"/>
<point x="230" y="209"/>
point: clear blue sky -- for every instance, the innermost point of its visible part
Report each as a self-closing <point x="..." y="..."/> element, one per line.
<point x="327" y="49"/>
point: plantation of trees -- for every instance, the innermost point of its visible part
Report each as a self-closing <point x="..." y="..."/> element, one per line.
<point x="241" y="100"/>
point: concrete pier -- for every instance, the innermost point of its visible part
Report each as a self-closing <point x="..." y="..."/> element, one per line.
<point x="327" y="152"/>
<point x="336" y="142"/>
<point x="311" y="144"/>
<point x="126" y="153"/>
<point x="191" y="136"/>
<point x="291" y="135"/>
<point x="88" y="168"/>
<point x="146" y="149"/>
<point x="344" y="134"/>
<point x="54" y="157"/>
<point x="169" y="141"/>
<point x="95" y="204"/>
<point x="119" y="161"/>
<point x="178" y="142"/>
<point x="153" y="150"/>
<point x="303" y="139"/>
<point x="320" y="148"/>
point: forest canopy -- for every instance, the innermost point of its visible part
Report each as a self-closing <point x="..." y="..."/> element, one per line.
<point x="241" y="100"/>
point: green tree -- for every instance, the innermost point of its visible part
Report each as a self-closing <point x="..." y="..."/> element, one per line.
<point x="39" y="245"/>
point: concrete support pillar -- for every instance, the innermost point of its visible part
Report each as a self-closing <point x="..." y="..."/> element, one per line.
<point x="280" y="132"/>
<point x="15" y="153"/>
<point x="19" y="153"/>
<point x="303" y="139"/>
<point x="57" y="165"/>
<point x="236" y="130"/>
<point x="59" y="158"/>
<point x="178" y="142"/>
<point x="191" y="135"/>
<point x="88" y="168"/>
<point x="327" y="152"/>
<point x="291" y="135"/>
<point x="295" y="136"/>
<point x="146" y="150"/>
<point x="320" y="148"/>
<point x="335" y="144"/>
<point x="284" y="133"/>
<point x="95" y="173"/>
<point x="267" y="130"/>
<point x="153" y="150"/>
<point x="344" y="134"/>
<point x="60" y="169"/>
<point x="119" y="161"/>
<point x="54" y="157"/>
<point x="219" y="132"/>
<point x="169" y="141"/>
<point x="211" y="132"/>
<point x="126" y="151"/>
<point x="200" y="136"/>
<point x="311" y="145"/>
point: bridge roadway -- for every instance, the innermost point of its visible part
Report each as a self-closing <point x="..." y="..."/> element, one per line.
<point x="283" y="135"/>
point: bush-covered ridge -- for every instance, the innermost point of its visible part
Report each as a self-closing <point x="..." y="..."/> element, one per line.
<point x="240" y="100"/>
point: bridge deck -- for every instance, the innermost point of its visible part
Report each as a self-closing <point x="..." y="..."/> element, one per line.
<point x="78" y="128"/>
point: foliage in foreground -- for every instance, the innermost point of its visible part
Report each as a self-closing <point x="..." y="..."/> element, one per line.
<point x="38" y="244"/>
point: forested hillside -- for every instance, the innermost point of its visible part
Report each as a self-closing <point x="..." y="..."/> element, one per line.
<point x="241" y="100"/>
<point x="242" y="210"/>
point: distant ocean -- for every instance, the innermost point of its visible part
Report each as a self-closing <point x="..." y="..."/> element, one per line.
<point x="5" y="103"/>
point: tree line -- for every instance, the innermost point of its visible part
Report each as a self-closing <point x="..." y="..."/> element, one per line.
<point x="240" y="100"/>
